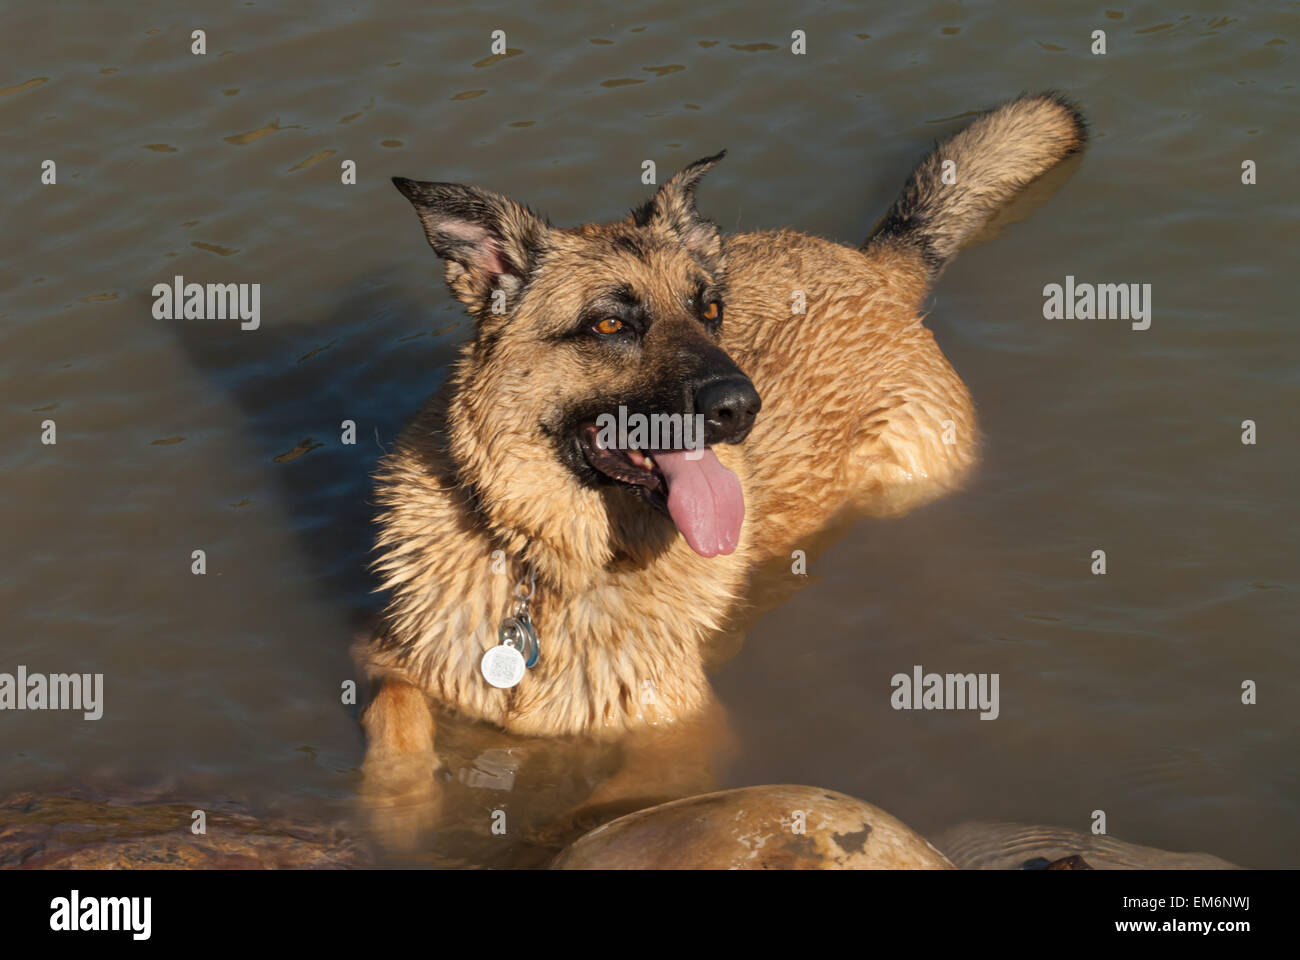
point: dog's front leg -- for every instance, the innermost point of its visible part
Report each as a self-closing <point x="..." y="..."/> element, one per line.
<point x="399" y="793"/>
<point x="663" y="764"/>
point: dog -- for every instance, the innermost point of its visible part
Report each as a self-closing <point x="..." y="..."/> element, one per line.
<point x="819" y="390"/>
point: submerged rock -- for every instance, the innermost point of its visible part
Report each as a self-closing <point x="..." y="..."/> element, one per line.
<point x="1075" y="862"/>
<point x="752" y="828"/>
<point x="987" y="845"/>
<point x="755" y="828"/>
<point x="75" y="832"/>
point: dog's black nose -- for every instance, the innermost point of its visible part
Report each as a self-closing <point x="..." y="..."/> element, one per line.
<point x="729" y="405"/>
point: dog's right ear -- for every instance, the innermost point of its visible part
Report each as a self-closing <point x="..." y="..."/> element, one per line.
<point x="674" y="207"/>
<point x="489" y="242"/>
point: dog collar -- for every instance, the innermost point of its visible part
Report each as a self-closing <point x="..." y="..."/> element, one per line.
<point x="504" y="665"/>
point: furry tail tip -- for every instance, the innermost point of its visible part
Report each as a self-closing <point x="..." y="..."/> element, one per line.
<point x="969" y="176"/>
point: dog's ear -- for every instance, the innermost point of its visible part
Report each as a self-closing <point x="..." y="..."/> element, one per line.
<point x="674" y="207"/>
<point x="489" y="242"/>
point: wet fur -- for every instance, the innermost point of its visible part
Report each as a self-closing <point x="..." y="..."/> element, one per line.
<point x="855" y="390"/>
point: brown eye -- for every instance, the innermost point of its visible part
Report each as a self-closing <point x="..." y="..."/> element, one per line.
<point x="713" y="310"/>
<point x="609" y="325"/>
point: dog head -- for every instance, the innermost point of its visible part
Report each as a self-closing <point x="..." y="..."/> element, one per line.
<point x="589" y="410"/>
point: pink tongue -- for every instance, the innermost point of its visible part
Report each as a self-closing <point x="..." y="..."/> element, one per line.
<point x="704" y="499"/>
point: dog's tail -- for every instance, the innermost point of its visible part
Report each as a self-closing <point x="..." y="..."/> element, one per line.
<point x="968" y="177"/>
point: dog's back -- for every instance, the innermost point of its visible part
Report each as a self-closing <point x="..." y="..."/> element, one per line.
<point x="865" y="410"/>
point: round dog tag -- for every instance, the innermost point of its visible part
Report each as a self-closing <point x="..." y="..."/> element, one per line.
<point x="502" y="666"/>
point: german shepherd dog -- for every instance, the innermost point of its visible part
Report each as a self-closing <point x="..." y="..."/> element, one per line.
<point x="819" y="388"/>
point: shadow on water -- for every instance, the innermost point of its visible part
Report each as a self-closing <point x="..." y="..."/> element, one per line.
<point x="297" y="384"/>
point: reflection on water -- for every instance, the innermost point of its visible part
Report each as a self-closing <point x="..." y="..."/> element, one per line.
<point x="1119" y="692"/>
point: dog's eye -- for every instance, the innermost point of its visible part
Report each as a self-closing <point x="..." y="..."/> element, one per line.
<point x="609" y="325"/>
<point x="713" y="311"/>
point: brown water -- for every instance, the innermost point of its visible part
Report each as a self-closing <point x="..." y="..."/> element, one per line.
<point x="1119" y="693"/>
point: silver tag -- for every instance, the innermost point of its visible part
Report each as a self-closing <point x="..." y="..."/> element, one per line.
<point x="502" y="666"/>
<point x="518" y="632"/>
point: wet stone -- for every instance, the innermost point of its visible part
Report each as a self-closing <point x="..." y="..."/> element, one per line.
<point x="755" y="828"/>
<point x="987" y="845"/>
<point x="59" y="831"/>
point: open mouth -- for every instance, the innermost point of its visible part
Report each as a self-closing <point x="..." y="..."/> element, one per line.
<point x="702" y="496"/>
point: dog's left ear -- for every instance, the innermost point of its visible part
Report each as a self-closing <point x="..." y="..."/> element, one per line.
<point x="489" y="242"/>
<point x="674" y="207"/>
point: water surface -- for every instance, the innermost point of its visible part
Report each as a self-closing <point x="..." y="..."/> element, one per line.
<point x="1119" y="692"/>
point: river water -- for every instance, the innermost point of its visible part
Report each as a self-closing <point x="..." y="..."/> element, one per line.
<point x="1120" y="693"/>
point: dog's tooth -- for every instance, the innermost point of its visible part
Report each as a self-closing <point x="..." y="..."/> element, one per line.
<point x="650" y="463"/>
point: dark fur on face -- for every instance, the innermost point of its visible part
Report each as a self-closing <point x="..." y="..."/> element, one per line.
<point x="626" y="314"/>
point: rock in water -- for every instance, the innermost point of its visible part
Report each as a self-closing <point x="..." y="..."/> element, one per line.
<point x="1017" y="846"/>
<point x="755" y="828"/>
<point x="1075" y="862"/>
<point x="66" y="832"/>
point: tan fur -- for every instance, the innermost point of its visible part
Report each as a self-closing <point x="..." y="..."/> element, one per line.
<point x="399" y="791"/>
<point x="856" y="394"/>
<point x="398" y="721"/>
